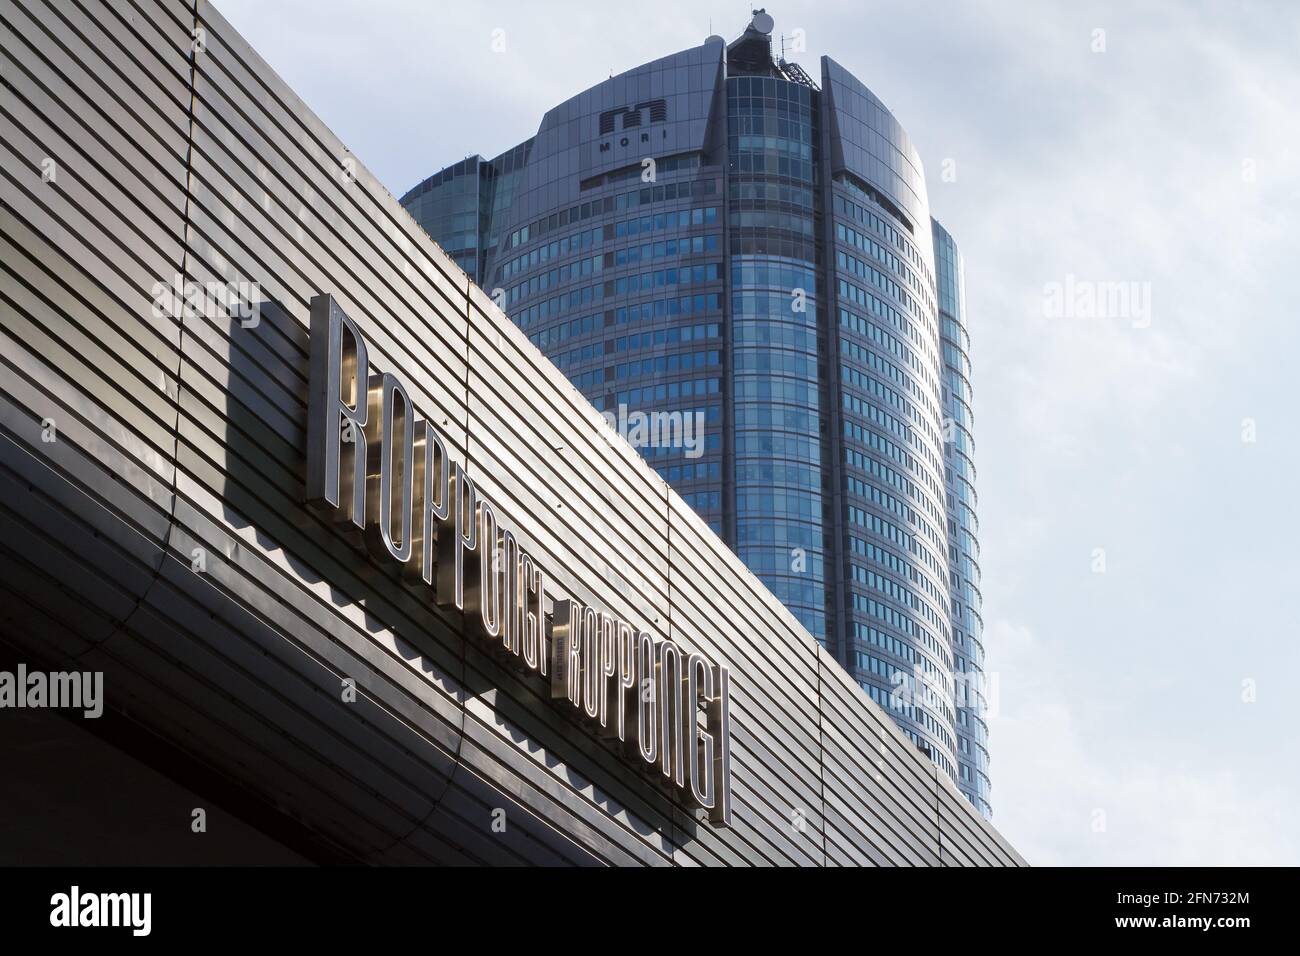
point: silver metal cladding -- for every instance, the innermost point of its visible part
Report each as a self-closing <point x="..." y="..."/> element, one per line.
<point x="383" y="473"/>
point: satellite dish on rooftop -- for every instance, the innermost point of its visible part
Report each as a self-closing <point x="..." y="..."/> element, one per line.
<point x="762" y="22"/>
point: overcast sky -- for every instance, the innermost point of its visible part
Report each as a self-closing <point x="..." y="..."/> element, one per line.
<point x="1125" y="733"/>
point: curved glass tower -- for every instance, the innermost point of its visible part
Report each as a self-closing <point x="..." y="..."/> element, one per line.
<point x="776" y="324"/>
<point x="963" y="525"/>
<point x="717" y="243"/>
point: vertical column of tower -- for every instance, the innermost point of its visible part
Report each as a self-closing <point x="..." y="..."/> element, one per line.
<point x="963" y="525"/>
<point x="891" y="522"/>
<point x="773" y="154"/>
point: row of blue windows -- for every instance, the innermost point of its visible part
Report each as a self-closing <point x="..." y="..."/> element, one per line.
<point x="769" y="88"/>
<point x="894" y="703"/>
<point x="746" y="106"/>
<point x="555" y="249"/>
<point x="709" y="414"/>
<point x="880" y="252"/>
<point x="588" y="380"/>
<point x="868" y="578"/>
<point x="555" y="307"/>
<point x="878" y="307"/>
<point x="869" y="358"/>
<point x="883" y="612"/>
<point x="691" y="471"/>
<point x="552" y="278"/>
<point x="960" y="464"/>
<point x="870" y="439"/>
<point x="882" y="556"/>
<point x="658" y="308"/>
<point x="704" y="500"/>
<point x="813" y="621"/>
<point x="679" y="219"/>
<point x="666" y="249"/>
<point x="752" y="191"/>
<point x="774" y="306"/>
<point x="667" y="364"/>
<point x="565" y="330"/>
<point x="784" y="503"/>
<point x="956" y="358"/>
<point x="749" y="106"/>
<point x="782" y="363"/>
<point x="773" y="561"/>
<point x="796" y="447"/>
<point x="872" y="413"/>
<point x="884" y="228"/>
<point x="775" y="335"/>
<point x="971" y="721"/>
<point x="959" y="409"/>
<point x="773" y="242"/>
<point x="794" y="591"/>
<point x="950" y="329"/>
<point x="785" y="417"/>
<point x="904" y="683"/>
<point x="966" y="777"/>
<point x="874" y="523"/>
<point x="940" y="649"/>
<point x="772" y="164"/>
<point x="788" y="473"/>
<point x="712" y="442"/>
<point x="681" y="162"/>
<point x="757" y="141"/>
<point x="865" y="633"/>
<point x="873" y="466"/>
<point x="668" y="336"/>
<point x="692" y="189"/>
<point x="868" y="383"/>
<point x="772" y="219"/>
<point x="757" y="532"/>
<point x="773" y="389"/>
<point x="878" y="496"/>
<point x="938" y="730"/>
<point x="860" y="353"/>
<point x="887" y="559"/>
<point x="682" y="275"/>
<point x="748" y="274"/>
<point x="874" y="386"/>
<point x="668" y="391"/>
<point x="869" y="330"/>
<point x="587" y="353"/>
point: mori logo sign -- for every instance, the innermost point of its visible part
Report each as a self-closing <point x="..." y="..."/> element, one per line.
<point x="633" y="118"/>
<point x="380" y="469"/>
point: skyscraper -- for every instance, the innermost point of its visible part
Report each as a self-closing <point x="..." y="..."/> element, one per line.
<point x="713" y="239"/>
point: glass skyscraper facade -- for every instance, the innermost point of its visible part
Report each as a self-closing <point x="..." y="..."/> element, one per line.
<point x="963" y="525"/>
<point x="715" y="238"/>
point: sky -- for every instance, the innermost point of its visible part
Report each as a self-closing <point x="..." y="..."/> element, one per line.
<point x="1137" y="466"/>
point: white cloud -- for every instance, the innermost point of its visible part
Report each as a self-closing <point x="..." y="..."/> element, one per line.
<point x="1060" y="767"/>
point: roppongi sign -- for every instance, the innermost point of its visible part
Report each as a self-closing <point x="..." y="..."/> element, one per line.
<point x="375" y="465"/>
